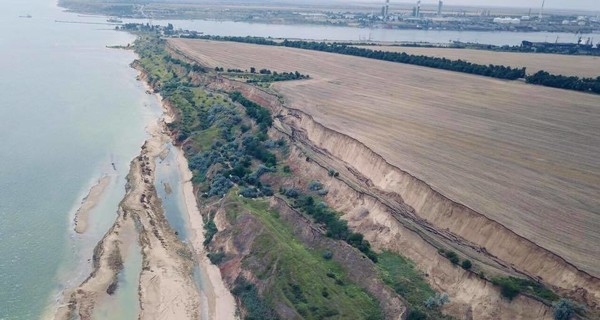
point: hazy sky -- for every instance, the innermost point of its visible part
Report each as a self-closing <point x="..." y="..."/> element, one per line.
<point x="593" y="5"/>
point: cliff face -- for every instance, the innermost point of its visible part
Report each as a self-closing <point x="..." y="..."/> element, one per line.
<point x="400" y="213"/>
<point x="240" y="240"/>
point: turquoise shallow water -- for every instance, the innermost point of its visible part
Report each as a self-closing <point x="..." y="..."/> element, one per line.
<point x="68" y="107"/>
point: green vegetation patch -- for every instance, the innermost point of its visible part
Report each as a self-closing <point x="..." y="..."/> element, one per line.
<point x="402" y="275"/>
<point x="330" y="219"/>
<point x="510" y="287"/>
<point x="264" y="75"/>
<point x="314" y="287"/>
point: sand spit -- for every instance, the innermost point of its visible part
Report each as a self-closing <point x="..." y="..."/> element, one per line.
<point x="166" y="289"/>
<point x="107" y="263"/>
<point x="88" y="203"/>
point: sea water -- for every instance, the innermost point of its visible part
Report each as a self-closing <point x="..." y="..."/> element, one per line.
<point x="69" y="107"/>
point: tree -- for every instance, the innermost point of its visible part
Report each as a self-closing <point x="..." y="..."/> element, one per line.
<point x="252" y="70"/>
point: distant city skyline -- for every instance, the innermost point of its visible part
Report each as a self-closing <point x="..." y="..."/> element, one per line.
<point x="593" y="5"/>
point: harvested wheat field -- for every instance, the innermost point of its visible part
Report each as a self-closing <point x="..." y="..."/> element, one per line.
<point x="581" y="66"/>
<point x="523" y="155"/>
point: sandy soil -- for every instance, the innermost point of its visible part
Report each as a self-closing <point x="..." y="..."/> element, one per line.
<point x="582" y="66"/>
<point x="525" y="156"/>
<point x="89" y="202"/>
<point x="107" y="263"/>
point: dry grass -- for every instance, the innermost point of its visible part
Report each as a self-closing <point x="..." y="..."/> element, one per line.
<point x="526" y="156"/>
<point x="582" y="66"/>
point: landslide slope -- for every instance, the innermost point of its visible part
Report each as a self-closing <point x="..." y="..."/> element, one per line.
<point x="507" y="167"/>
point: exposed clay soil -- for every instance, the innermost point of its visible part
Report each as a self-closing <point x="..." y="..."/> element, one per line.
<point x="391" y="123"/>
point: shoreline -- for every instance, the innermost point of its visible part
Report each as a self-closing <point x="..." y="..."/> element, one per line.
<point x="166" y="288"/>
<point x="221" y="302"/>
<point x="89" y="202"/>
<point x="166" y="285"/>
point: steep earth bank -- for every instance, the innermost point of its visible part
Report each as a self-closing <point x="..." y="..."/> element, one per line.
<point x="475" y="232"/>
<point x="384" y="224"/>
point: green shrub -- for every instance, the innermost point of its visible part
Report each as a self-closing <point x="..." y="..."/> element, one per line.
<point x="437" y="301"/>
<point x="315" y="185"/>
<point x="216" y="257"/>
<point x="260" y="114"/>
<point x="512" y="286"/>
<point x="256" y="307"/>
<point x="466" y="264"/>
<point x="565" y="309"/>
<point x="452" y="256"/>
<point x="509" y="288"/>
<point x="415" y="314"/>
<point x="292" y="193"/>
<point x="210" y="229"/>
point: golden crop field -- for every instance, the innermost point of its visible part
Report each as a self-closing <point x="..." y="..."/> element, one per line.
<point x="581" y="66"/>
<point x="526" y="156"/>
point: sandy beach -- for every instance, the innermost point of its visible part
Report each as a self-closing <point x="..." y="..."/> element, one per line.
<point x="167" y="290"/>
<point x="221" y="302"/>
<point x="88" y="203"/>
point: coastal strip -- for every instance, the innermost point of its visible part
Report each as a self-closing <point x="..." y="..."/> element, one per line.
<point x="88" y="203"/>
<point x="166" y="289"/>
<point x="221" y="302"/>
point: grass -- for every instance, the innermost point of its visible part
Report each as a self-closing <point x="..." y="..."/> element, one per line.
<point x="314" y="287"/>
<point x="402" y="275"/>
<point x="203" y="140"/>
